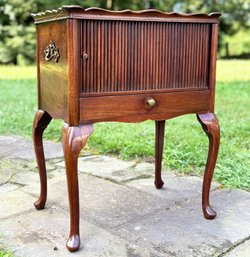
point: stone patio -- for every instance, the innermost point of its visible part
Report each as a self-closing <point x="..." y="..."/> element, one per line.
<point x="122" y="214"/>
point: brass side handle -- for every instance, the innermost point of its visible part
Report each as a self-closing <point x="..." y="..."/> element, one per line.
<point x="51" y="52"/>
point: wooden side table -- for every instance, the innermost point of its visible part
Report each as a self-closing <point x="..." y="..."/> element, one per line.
<point x="97" y="65"/>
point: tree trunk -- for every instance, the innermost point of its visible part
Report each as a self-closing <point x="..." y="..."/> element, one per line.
<point x="15" y="60"/>
<point x="149" y="4"/>
<point x="227" y="50"/>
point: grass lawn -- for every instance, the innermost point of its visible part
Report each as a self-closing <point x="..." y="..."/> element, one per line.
<point x="4" y="253"/>
<point x="185" y="143"/>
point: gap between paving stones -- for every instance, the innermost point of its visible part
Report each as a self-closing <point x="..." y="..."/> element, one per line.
<point x="154" y="251"/>
<point x="180" y="203"/>
<point x="224" y="244"/>
<point x="173" y="206"/>
<point x="117" y="182"/>
<point x="233" y="247"/>
<point x="53" y="162"/>
<point x="15" y="215"/>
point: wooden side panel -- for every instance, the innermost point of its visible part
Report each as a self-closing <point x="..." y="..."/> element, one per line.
<point x="212" y="71"/>
<point x="38" y="70"/>
<point x="74" y="57"/>
<point x="129" y="56"/>
<point x="53" y="79"/>
<point x="133" y="108"/>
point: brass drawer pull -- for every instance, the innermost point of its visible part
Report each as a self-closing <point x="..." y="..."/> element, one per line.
<point x="150" y="102"/>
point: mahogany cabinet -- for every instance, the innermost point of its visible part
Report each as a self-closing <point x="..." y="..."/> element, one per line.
<point x="96" y="65"/>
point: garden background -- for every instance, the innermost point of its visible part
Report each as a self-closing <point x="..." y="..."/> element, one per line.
<point x="185" y="142"/>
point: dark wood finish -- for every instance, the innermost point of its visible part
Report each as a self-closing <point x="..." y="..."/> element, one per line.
<point x="140" y="58"/>
<point x="210" y="125"/>
<point x="97" y="65"/>
<point x="149" y="52"/>
<point x="132" y="108"/>
<point x="41" y="121"/>
<point x="213" y="54"/>
<point x="159" y="143"/>
<point x="73" y="140"/>
<point x="77" y="12"/>
<point x="53" y="77"/>
<point x="73" y="71"/>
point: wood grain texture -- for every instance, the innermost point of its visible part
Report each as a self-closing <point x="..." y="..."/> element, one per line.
<point x="127" y="56"/>
<point x="74" y="11"/>
<point x="159" y="143"/>
<point x="210" y="125"/>
<point x="125" y="66"/>
<point x="38" y="70"/>
<point x="212" y="69"/>
<point x="40" y="123"/>
<point x="73" y="140"/>
<point x="73" y="38"/>
<point x="133" y="108"/>
<point x="53" y="79"/>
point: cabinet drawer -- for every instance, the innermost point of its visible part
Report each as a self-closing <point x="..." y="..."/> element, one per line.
<point x="133" y="108"/>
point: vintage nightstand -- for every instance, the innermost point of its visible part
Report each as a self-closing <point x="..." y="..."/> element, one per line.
<point x="97" y="65"/>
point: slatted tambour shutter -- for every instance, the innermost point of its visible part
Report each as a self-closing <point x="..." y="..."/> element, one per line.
<point x="131" y="56"/>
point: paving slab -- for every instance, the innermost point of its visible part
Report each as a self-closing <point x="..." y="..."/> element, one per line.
<point x="6" y="188"/>
<point x="27" y="172"/>
<point x="103" y="202"/>
<point x="14" y="202"/>
<point x="12" y="147"/>
<point x="26" y="178"/>
<point x="184" y="232"/>
<point x="7" y="169"/>
<point x="5" y="176"/>
<point x="15" y="168"/>
<point x="44" y="233"/>
<point x="176" y="188"/>
<point x="243" y="250"/>
<point x="122" y="214"/>
<point x="112" y="168"/>
<point x="159" y="230"/>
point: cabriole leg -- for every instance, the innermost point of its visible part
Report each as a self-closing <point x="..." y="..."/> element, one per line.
<point x="211" y="127"/>
<point x="41" y="121"/>
<point x="159" y="142"/>
<point x="73" y="140"/>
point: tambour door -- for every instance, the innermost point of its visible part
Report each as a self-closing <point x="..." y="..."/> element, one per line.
<point x="127" y="65"/>
<point x="133" y="56"/>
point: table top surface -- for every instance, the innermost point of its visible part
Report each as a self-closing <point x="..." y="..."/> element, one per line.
<point x="78" y="12"/>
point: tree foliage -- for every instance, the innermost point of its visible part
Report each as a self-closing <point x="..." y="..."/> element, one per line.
<point x="17" y="32"/>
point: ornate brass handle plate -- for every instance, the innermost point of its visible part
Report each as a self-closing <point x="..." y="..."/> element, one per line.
<point x="51" y="52"/>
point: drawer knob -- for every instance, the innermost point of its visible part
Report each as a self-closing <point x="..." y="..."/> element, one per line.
<point x="85" y="56"/>
<point x="150" y="102"/>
